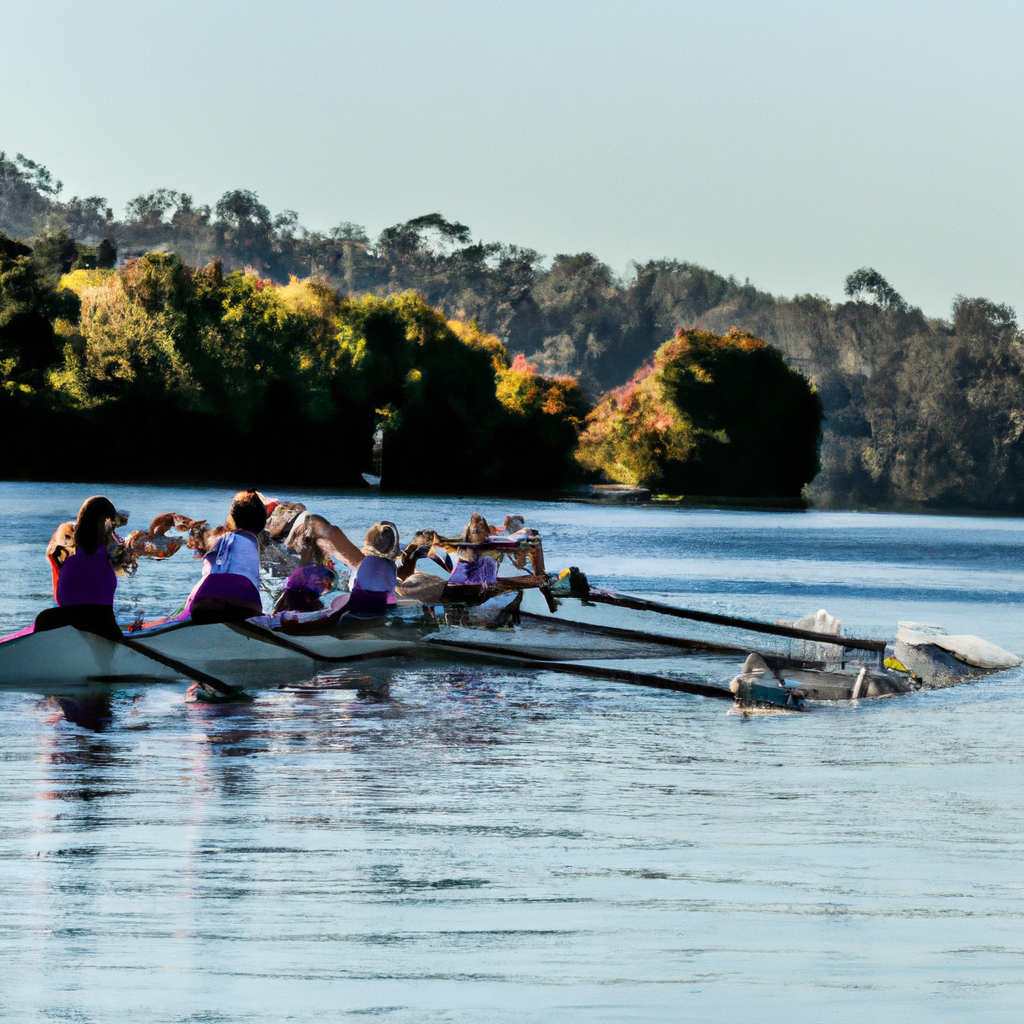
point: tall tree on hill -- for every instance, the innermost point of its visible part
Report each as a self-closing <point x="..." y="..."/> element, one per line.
<point x="868" y="281"/>
<point x="579" y="299"/>
<point x="88" y="218"/>
<point x="245" y="231"/>
<point x="194" y="237"/>
<point x="146" y="217"/>
<point x="28" y="195"/>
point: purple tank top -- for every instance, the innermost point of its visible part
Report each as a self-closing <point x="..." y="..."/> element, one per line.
<point x="482" y="572"/>
<point x="378" y="575"/>
<point x="87" y="579"/>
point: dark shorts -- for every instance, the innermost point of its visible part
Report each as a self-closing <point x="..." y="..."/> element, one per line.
<point x="90" y="618"/>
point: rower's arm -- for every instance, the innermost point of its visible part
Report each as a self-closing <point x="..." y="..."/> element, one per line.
<point x="61" y="544"/>
<point x="537" y="557"/>
<point x="406" y="563"/>
<point x="203" y="541"/>
<point x="331" y="540"/>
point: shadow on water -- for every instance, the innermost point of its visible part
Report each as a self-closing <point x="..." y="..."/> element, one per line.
<point x="93" y="713"/>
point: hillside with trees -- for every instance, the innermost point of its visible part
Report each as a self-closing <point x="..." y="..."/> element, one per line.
<point x="918" y="411"/>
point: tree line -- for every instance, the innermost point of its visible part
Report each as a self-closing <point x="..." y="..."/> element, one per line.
<point x="570" y="317"/>
<point x="917" y="410"/>
<point x="158" y="370"/>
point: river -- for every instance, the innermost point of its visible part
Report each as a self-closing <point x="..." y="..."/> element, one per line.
<point x="494" y="845"/>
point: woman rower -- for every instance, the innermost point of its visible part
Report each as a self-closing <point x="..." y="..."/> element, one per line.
<point x="230" y="586"/>
<point x="472" y="568"/>
<point x="372" y="585"/>
<point x="84" y="581"/>
<point x="373" y="582"/>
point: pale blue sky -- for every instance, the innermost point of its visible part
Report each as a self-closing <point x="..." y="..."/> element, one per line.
<point x="787" y="142"/>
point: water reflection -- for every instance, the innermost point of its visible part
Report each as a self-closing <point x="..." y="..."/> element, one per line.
<point x="92" y="713"/>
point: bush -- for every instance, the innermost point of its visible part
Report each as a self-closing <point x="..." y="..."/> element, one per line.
<point x="712" y="415"/>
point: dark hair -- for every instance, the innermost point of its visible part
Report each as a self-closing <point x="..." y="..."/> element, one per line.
<point x="91" y="525"/>
<point x="247" y="512"/>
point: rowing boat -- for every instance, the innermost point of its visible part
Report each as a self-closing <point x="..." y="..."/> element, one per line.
<point x="238" y="655"/>
<point x="229" y="657"/>
<point x="75" y="658"/>
<point x="515" y="629"/>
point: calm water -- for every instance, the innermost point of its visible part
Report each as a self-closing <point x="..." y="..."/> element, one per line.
<point x="487" y="845"/>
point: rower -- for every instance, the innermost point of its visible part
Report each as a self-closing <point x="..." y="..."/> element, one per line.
<point x="373" y="587"/>
<point x="480" y="549"/>
<point x="308" y="535"/>
<point x="373" y="584"/>
<point x="229" y="588"/>
<point x="84" y="581"/>
<point x="472" y="568"/>
<point x="304" y="589"/>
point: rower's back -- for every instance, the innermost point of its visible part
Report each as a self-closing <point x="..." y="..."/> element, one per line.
<point x="373" y="583"/>
<point x="230" y="587"/>
<point x="86" y="581"/>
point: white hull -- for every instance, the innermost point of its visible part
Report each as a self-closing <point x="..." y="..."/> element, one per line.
<point x="69" y="658"/>
<point x="245" y="661"/>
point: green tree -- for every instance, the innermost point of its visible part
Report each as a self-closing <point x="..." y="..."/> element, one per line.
<point x="28" y="196"/>
<point x="868" y="281"/>
<point x="578" y="297"/>
<point x="245" y="230"/>
<point x="106" y="254"/>
<point x="30" y="307"/>
<point x="55" y="254"/>
<point x="88" y="217"/>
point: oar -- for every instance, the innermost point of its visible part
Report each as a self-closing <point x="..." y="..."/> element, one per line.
<point x="639" y="636"/>
<point x="640" y="604"/>
<point x="208" y="682"/>
<point x="678" y="642"/>
<point x="265" y="635"/>
<point x="619" y="675"/>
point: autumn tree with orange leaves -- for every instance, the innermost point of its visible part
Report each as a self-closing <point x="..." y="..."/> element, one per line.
<point x="711" y="415"/>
